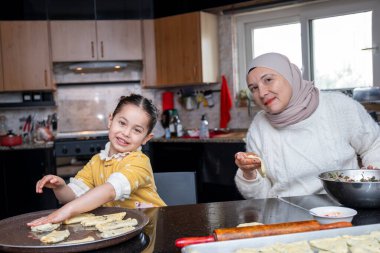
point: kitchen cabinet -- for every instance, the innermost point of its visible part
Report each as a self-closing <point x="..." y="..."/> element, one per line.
<point x="181" y="50"/>
<point x="102" y="40"/>
<point x="20" y="170"/>
<point x="25" y="56"/>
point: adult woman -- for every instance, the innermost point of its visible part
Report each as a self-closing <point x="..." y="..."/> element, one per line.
<point x="300" y="132"/>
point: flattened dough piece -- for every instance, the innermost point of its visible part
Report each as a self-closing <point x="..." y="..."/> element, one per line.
<point x="247" y="250"/>
<point x="115" y="232"/>
<point x="117" y="216"/>
<point x="95" y="220"/>
<point x="262" y="170"/>
<point x="87" y="239"/>
<point x="335" y="244"/>
<point x="116" y="224"/>
<point x="79" y="218"/>
<point x="375" y="234"/>
<point x="295" y="247"/>
<point x="45" y="227"/>
<point x="55" y="236"/>
<point x="363" y="242"/>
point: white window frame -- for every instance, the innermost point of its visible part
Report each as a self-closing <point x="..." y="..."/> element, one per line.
<point x="304" y="13"/>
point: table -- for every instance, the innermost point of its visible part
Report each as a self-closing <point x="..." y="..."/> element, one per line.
<point x="172" y="222"/>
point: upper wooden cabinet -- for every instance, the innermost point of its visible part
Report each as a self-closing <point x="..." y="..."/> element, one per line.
<point x="104" y="40"/>
<point x="181" y="50"/>
<point x="25" y="55"/>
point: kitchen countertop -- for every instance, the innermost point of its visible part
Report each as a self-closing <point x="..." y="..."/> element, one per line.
<point x="172" y="222"/>
<point x="28" y="146"/>
<point x="234" y="136"/>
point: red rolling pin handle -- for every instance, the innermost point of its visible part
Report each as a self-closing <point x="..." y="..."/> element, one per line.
<point x="182" y="242"/>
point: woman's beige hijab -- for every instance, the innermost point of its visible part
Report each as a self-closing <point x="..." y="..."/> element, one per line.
<point x="305" y="96"/>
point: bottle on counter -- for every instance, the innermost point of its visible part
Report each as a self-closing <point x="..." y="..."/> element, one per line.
<point x="54" y="124"/>
<point x="178" y="128"/>
<point x="203" y="129"/>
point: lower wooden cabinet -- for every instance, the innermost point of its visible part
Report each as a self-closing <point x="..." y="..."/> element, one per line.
<point x="214" y="164"/>
<point x="19" y="172"/>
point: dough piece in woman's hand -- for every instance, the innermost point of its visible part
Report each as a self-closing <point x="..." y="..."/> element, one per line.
<point x="248" y="224"/>
<point x="55" y="236"/>
<point x="79" y="218"/>
<point x="47" y="227"/>
<point x="262" y="170"/>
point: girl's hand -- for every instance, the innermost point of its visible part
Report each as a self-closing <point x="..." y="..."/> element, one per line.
<point x="249" y="165"/>
<point x="55" y="217"/>
<point x="371" y="167"/>
<point x="49" y="181"/>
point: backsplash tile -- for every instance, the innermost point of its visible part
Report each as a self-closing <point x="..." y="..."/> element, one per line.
<point x="87" y="107"/>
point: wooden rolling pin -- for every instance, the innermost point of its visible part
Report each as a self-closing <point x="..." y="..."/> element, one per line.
<point x="224" y="234"/>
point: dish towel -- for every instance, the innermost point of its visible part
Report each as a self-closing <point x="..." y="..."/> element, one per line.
<point x="225" y="103"/>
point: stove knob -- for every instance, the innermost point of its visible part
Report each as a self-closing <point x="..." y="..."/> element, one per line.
<point x="77" y="150"/>
<point x="92" y="149"/>
<point x="64" y="150"/>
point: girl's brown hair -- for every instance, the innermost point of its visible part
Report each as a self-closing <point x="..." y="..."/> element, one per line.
<point x="143" y="103"/>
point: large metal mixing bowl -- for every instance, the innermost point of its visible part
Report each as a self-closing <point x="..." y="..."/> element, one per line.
<point x="353" y="188"/>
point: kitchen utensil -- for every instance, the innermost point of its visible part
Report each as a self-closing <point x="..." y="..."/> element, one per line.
<point x="224" y="234"/>
<point x="16" y="236"/>
<point x="330" y="214"/>
<point x="300" y="207"/>
<point x="190" y="103"/>
<point x="11" y="139"/>
<point x="363" y="191"/>
<point x="209" y="97"/>
<point x="368" y="94"/>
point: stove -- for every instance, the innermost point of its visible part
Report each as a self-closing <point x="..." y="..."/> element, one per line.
<point x="80" y="143"/>
<point x="74" y="149"/>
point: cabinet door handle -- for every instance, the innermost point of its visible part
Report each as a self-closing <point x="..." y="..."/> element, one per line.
<point x="101" y="49"/>
<point x="46" y="79"/>
<point x="92" y="50"/>
<point x="195" y="71"/>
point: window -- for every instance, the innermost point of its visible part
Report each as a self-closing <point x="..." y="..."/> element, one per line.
<point x="285" y="39"/>
<point x="332" y="42"/>
<point x="339" y="60"/>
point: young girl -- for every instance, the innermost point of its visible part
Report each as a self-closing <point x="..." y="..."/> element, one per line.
<point x="120" y="175"/>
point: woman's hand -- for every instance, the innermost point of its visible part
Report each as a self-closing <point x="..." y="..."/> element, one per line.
<point x="371" y="167"/>
<point x="248" y="164"/>
<point x="49" y="181"/>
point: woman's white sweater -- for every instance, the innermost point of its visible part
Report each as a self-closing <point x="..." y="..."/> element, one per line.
<point x="294" y="156"/>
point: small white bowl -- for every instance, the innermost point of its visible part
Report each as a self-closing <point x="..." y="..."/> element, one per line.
<point x="330" y="214"/>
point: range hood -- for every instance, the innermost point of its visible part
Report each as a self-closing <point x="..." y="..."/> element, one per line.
<point x="97" y="71"/>
<point x="97" y="67"/>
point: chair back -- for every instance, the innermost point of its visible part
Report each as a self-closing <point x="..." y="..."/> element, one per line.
<point x="176" y="188"/>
